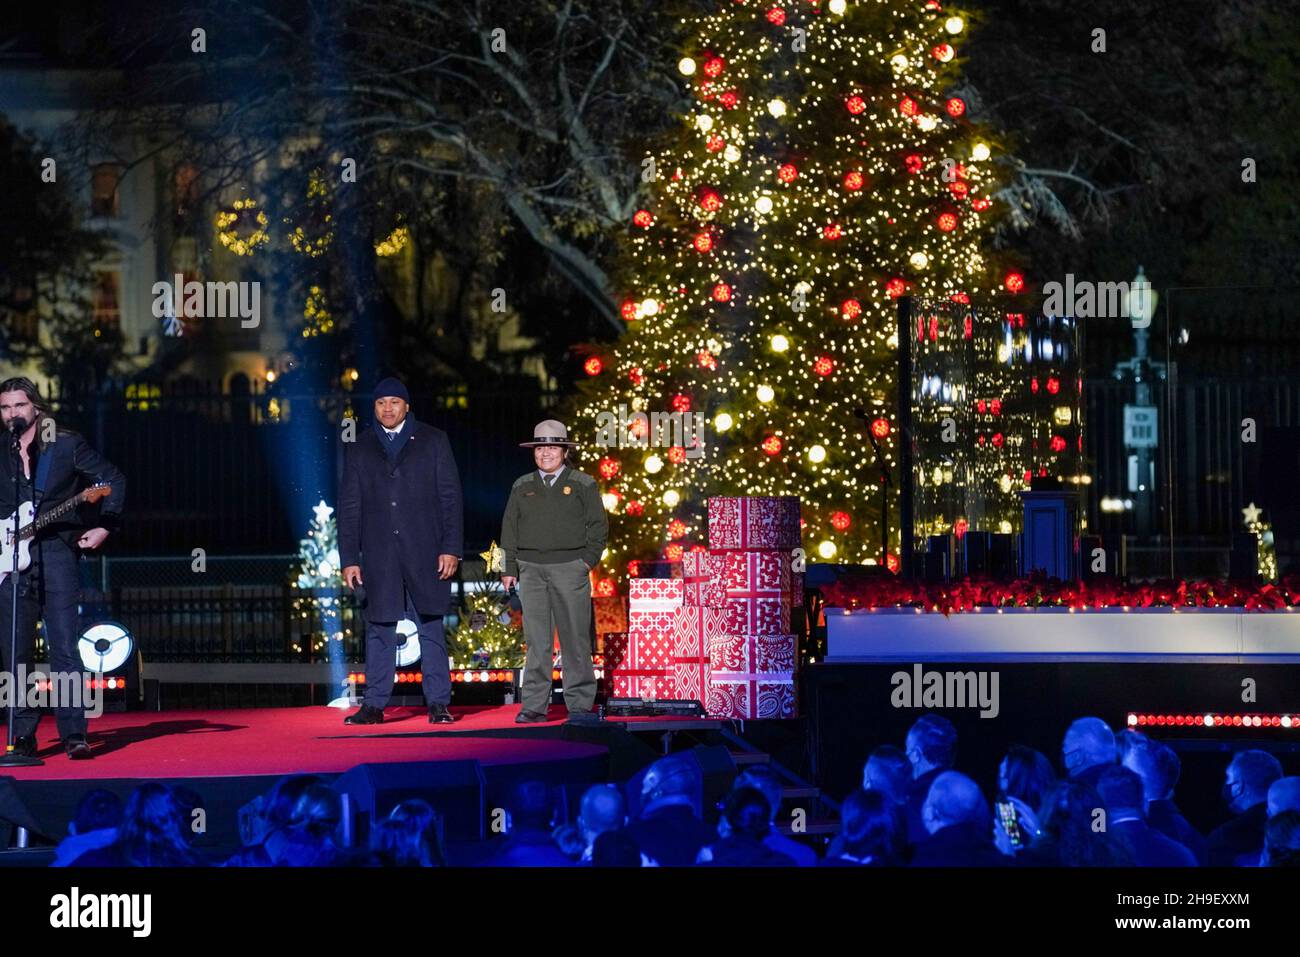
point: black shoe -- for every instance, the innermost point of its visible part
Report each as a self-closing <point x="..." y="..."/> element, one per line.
<point x="527" y="717"/>
<point x="25" y="747"/>
<point x="367" y="715"/>
<point x="438" y="714"/>
<point x="77" y="748"/>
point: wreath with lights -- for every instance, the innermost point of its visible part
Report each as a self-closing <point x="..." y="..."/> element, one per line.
<point x="242" y="227"/>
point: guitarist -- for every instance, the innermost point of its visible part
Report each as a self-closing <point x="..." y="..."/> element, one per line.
<point x="55" y="465"/>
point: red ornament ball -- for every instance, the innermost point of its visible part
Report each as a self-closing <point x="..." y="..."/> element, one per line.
<point x="880" y="428"/>
<point x="772" y="444"/>
<point x="853" y="181"/>
<point x="713" y="66"/>
<point x="681" y="402"/>
<point x="958" y="189"/>
<point x="730" y="100"/>
<point x="998" y="440"/>
<point x="850" y="309"/>
<point x="703" y="242"/>
<point x="593" y="366"/>
<point x="776" y="16"/>
<point x="1015" y="282"/>
<point x="855" y="105"/>
<point x="628" y="309"/>
<point x="710" y="201"/>
<point x="676" y="528"/>
<point x="832" y="231"/>
<point x="1053" y="384"/>
<point x="787" y="172"/>
<point x="714" y="143"/>
<point x="895" y="288"/>
<point x="643" y="218"/>
<point x="706" y="360"/>
<point x="955" y="106"/>
<point x="722" y="292"/>
<point x="914" y="163"/>
<point x="996" y="406"/>
<point x="634" y="375"/>
<point x="634" y="508"/>
<point x="824" y="366"/>
<point x="609" y="467"/>
<point x="840" y="521"/>
<point x="947" y="222"/>
<point x="677" y="455"/>
<point x="907" y="106"/>
<point x="1058" y="444"/>
<point x="673" y="553"/>
<point x="979" y="205"/>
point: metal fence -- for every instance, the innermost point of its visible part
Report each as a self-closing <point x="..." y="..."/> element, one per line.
<point x="241" y="472"/>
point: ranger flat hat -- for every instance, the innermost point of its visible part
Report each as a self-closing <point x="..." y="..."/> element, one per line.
<point x="549" y="432"/>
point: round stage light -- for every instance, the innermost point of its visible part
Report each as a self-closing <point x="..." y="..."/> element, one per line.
<point x="408" y="652"/>
<point x="105" y="646"/>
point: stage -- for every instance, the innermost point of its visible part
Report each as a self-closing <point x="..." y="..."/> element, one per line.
<point x="230" y="756"/>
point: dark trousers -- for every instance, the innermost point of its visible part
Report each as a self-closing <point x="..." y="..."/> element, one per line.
<point x="382" y="642"/>
<point x="56" y="605"/>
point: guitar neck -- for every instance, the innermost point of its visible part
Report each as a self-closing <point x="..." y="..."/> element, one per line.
<point x="53" y="515"/>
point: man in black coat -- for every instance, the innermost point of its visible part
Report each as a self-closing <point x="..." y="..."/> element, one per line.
<point x="959" y="825"/>
<point x="57" y="465"/>
<point x="1240" y="841"/>
<point x="400" y="537"/>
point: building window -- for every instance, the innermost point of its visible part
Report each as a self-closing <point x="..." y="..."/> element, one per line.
<point x="105" y="299"/>
<point x="104" y="199"/>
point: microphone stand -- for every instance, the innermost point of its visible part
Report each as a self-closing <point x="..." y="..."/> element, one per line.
<point x="10" y="759"/>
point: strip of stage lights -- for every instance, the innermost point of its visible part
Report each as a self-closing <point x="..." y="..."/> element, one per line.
<point x="1143" y="719"/>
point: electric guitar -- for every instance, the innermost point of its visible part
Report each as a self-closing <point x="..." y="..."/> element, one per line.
<point x="22" y="520"/>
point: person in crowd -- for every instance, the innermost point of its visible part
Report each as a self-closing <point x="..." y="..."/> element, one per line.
<point x="1284" y="795"/>
<point x="1158" y="766"/>
<point x="265" y="821"/>
<point x="669" y="830"/>
<point x="745" y="824"/>
<point x="1068" y="836"/>
<point x="1126" y="741"/>
<point x="763" y="779"/>
<point x="1121" y="792"/>
<point x="530" y="842"/>
<point x="1024" y="778"/>
<point x="888" y="771"/>
<point x="931" y="747"/>
<point x="872" y="832"/>
<point x="94" y="825"/>
<point x="410" y="836"/>
<point x="310" y="839"/>
<point x="601" y="811"/>
<point x="1240" y="840"/>
<point x="1282" y="840"/>
<point x="1088" y="749"/>
<point x="616" y="849"/>
<point x="152" y="834"/>
<point x="957" y="820"/>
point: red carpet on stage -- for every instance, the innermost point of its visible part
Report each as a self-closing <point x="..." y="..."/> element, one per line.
<point x="192" y="744"/>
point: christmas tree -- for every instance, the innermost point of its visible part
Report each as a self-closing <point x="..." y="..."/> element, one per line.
<point x="320" y="586"/>
<point x="491" y="633"/>
<point x="828" y="168"/>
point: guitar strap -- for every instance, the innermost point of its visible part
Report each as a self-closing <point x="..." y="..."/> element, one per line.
<point x="42" y="476"/>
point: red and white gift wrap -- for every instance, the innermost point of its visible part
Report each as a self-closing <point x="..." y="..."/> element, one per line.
<point x="695" y="628"/>
<point x="704" y="574"/>
<point x="753" y="522"/>
<point x="654" y="594"/>
<point x="763" y="574"/>
<point x="752" y="676"/>
<point x="639" y="664"/>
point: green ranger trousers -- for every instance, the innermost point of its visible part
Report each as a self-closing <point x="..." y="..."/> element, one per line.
<point x="557" y="595"/>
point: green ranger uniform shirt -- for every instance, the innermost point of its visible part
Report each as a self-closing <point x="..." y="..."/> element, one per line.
<point x="555" y="524"/>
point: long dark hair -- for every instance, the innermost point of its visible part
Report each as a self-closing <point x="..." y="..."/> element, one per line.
<point x="152" y="832"/>
<point x="28" y="388"/>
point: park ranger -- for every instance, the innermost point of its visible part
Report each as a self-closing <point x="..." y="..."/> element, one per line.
<point x="553" y="534"/>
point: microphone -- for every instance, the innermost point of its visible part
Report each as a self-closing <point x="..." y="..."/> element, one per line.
<point x="18" y="424"/>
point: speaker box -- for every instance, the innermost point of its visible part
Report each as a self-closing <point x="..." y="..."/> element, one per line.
<point x="453" y="788"/>
<point x="976" y="553"/>
<point x="716" y="773"/>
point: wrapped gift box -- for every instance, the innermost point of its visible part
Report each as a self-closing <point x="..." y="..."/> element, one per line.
<point x="694" y="629"/>
<point x="796" y="589"/>
<point x="639" y="664"/>
<point x="752" y="676"/>
<point x="759" y="696"/>
<point x="745" y="654"/>
<point x="763" y="574"/>
<point x="654" y="594"/>
<point x="758" y="616"/>
<point x="610" y="613"/>
<point x="704" y="575"/>
<point x="752" y="522"/>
